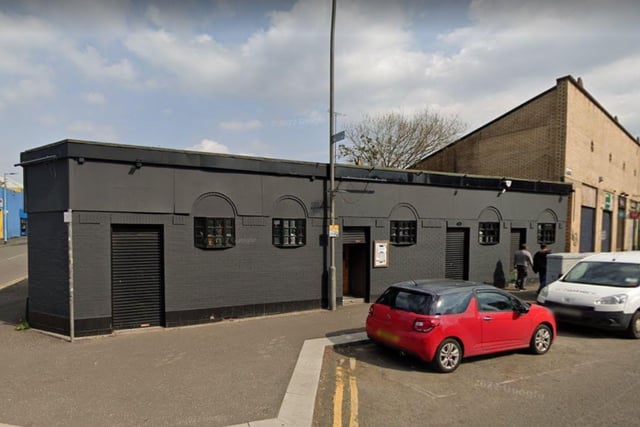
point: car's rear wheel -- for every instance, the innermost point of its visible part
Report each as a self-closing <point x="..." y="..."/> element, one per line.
<point x="634" y="325"/>
<point x="541" y="340"/>
<point x="448" y="356"/>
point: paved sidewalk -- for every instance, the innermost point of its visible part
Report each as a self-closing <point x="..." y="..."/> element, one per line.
<point x="22" y="240"/>
<point x="226" y="373"/>
<point x="250" y="372"/>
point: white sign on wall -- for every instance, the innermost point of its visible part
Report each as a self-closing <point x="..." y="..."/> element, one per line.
<point x="381" y="253"/>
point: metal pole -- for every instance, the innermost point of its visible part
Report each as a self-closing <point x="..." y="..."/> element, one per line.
<point x="332" y="167"/>
<point x="68" y="218"/>
<point x="5" y="204"/>
<point x="4" y="208"/>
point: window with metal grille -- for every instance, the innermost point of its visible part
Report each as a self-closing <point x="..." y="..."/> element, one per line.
<point x="214" y="233"/>
<point x="403" y="232"/>
<point x="489" y="233"/>
<point x="546" y="233"/>
<point x="289" y="232"/>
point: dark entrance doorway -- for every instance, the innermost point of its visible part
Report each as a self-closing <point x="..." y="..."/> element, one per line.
<point x="355" y="262"/>
<point x="137" y="276"/>
<point x="605" y="234"/>
<point x="457" y="254"/>
<point x="518" y="237"/>
<point x="587" y="226"/>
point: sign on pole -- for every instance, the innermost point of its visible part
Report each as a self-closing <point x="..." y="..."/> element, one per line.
<point x="337" y="136"/>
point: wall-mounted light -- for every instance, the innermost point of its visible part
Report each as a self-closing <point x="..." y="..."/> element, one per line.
<point x="600" y="179"/>
<point x="138" y="163"/>
<point x="568" y="171"/>
<point x="80" y="160"/>
<point x="506" y="184"/>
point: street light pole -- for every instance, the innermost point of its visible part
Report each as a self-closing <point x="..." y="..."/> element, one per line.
<point x="332" y="171"/>
<point x="5" y="204"/>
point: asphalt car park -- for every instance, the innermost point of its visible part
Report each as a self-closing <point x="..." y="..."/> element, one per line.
<point x="588" y="377"/>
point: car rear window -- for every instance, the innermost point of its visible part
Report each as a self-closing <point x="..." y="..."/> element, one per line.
<point x="624" y="275"/>
<point x="401" y="299"/>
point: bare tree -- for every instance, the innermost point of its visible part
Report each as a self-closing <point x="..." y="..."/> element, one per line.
<point x="396" y="140"/>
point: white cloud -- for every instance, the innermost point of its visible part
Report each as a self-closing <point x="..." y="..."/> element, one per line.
<point x="32" y="50"/>
<point x="241" y="125"/>
<point x="94" y="65"/>
<point x="25" y="91"/>
<point x="493" y="56"/>
<point x="210" y="146"/>
<point x="94" y="98"/>
<point x="198" y="66"/>
<point x="91" y="131"/>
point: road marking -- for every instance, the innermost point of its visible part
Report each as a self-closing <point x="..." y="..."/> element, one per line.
<point x="551" y="372"/>
<point x="353" y="388"/>
<point x="299" y="400"/>
<point x="338" y="396"/>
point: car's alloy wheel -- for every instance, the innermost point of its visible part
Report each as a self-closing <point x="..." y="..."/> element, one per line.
<point x="634" y="326"/>
<point x="541" y="340"/>
<point x="448" y="356"/>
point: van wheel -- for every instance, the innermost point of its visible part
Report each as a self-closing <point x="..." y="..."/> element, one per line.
<point x="541" y="340"/>
<point x="448" y="356"/>
<point x="634" y="326"/>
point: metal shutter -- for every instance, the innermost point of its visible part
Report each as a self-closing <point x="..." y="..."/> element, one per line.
<point x="456" y="259"/>
<point x="587" y="222"/>
<point x="605" y="246"/>
<point x="354" y="235"/>
<point x="137" y="277"/>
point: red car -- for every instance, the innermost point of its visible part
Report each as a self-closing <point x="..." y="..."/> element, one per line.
<point x="442" y="321"/>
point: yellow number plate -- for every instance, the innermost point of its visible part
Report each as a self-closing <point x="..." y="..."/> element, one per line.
<point x="388" y="336"/>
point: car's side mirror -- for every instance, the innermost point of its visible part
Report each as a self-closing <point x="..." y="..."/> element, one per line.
<point x="522" y="308"/>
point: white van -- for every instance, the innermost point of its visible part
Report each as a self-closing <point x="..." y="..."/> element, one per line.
<point x="601" y="290"/>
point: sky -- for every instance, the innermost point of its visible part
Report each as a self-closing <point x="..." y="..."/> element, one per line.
<point x="251" y="77"/>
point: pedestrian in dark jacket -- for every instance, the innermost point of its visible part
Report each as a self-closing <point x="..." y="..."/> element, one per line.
<point x="540" y="265"/>
<point x="522" y="260"/>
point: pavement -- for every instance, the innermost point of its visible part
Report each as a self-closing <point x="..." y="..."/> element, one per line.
<point x="245" y="372"/>
<point x="200" y="375"/>
<point x="14" y="241"/>
<point x="276" y="360"/>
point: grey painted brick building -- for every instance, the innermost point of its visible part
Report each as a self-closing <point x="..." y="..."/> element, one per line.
<point x="165" y="237"/>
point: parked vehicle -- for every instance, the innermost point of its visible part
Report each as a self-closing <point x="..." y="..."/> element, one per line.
<point x="602" y="290"/>
<point x="442" y="321"/>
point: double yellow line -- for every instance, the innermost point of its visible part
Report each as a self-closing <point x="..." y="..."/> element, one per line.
<point x="345" y="375"/>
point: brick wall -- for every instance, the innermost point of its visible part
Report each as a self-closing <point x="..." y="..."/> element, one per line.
<point x="563" y="134"/>
<point x="603" y="156"/>
<point x="522" y="143"/>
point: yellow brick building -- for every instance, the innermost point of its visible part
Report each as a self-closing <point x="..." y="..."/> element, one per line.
<point x="562" y="134"/>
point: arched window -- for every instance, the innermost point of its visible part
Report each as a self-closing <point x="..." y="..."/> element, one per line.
<point x="403" y="226"/>
<point x="489" y="226"/>
<point x="289" y="223"/>
<point x="214" y="222"/>
<point x="547" y="224"/>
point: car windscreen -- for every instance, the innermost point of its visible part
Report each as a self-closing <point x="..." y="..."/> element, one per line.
<point x="401" y="299"/>
<point x="624" y="275"/>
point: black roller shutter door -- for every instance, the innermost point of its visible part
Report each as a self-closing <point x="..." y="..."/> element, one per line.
<point x="137" y="276"/>
<point x="457" y="262"/>
<point x="587" y="225"/>
<point x="353" y="235"/>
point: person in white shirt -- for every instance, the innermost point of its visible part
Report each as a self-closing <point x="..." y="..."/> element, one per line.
<point x="521" y="260"/>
